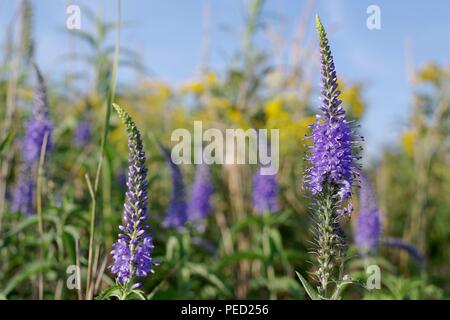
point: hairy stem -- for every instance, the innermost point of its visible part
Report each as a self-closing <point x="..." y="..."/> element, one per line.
<point x="328" y="239"/>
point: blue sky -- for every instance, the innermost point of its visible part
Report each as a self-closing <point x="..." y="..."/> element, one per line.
<point x="168" y="35"/>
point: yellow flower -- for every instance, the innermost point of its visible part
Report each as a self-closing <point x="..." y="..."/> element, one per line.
<point x="195" y="87"/>
<point x="211" y="79"/>
<point x="408" y="140"/>
<point x="163" y="90"/>
<point x="351" y="97"/>
<point x="235" y="116"/>
<point x="157" y="92"/>
<point x="219" y="103"/>
<point x="274" y="108"/>
<point x="430" y="73"/>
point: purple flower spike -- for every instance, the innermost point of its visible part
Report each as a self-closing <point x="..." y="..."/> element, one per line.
<point x="132" y="251"/>
<point x="23" y="198"/>
<point x="83" y="134"/>
<point x="39" y="125"/>
<point x="202" y="189"/>
<point x="331" y="156"/>
<point x="410" y="249"/>
<point x="265" y="193"/>
<point x="368" y="223"/>
<point x="331" y="171"/>
<point x="176" y="214"/>
<point x="368" y="235"/>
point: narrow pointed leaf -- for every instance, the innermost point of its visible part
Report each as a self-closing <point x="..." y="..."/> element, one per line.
<point x="312" y="293"/>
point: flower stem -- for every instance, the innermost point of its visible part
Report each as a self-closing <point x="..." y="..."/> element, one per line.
<point x="269" y="267"/>
<point x="40" y="174"/>
<point x="327" y="237"/>
<point x="108" y="106"/>
<point x="91" y="236"/>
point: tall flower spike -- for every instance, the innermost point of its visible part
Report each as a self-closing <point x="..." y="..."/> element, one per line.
<point x="368" y="222"/>
<point x="39" y="125"/>
<point x="265" y="193"/>
<point x="331" y="156"/>
<point x="368" y="234"/>
<point x="133" y="249"/>
<point x="330" y="175"/>
<point x="200" y="202"/>
<point x="176" y="214"/>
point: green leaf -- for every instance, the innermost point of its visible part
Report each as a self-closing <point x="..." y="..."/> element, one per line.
<point x="239" y="256"/>
<point x="172" y="247"/>
<point x="340" y="287"/>
<point x="136" y="295"/>
<point x="113" y="291"/>
<point x="212" y="278"/>
<point x="6" y="141"/>
<point x="282" y="284"/>
<point x="70" y="235"/>
<point x="30" y="222"/>
<point x="277" y="243"/>
<point x="25" y="273"/>
<point x="260" y="220"/>
<point x="250" y="220"/>
<point x="312" y="293"/>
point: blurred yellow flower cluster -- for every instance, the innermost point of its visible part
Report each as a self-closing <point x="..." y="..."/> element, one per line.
<point x="198" y="87"/>
<point x="149" y="110"/>
<point x="430" y="73"/>
<point x="352" y="99"/>
<point x="292" y="131"/>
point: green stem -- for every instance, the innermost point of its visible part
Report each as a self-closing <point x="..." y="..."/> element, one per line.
<point x="40" y="174"/>
<point x="93" y="191"/>
<point x="327" y="238"/>
<point x="91" y="236"/>
<point x="269" y="267"/>
<point x="106" y="204"/>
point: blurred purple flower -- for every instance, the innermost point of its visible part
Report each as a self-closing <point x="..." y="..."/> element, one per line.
<point x="265" y="193"/>
<point x="410" y="249"/>
<point x="132" y="251"/>
<point x="39" y="125"/>
<point x="202" y="189"/>
<point x="368" y="234"/>
<point x="23" y="197"/>
<point x="368" y="222"/>
<point x="176" y="214"/>
<point x="83" y="134"/>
